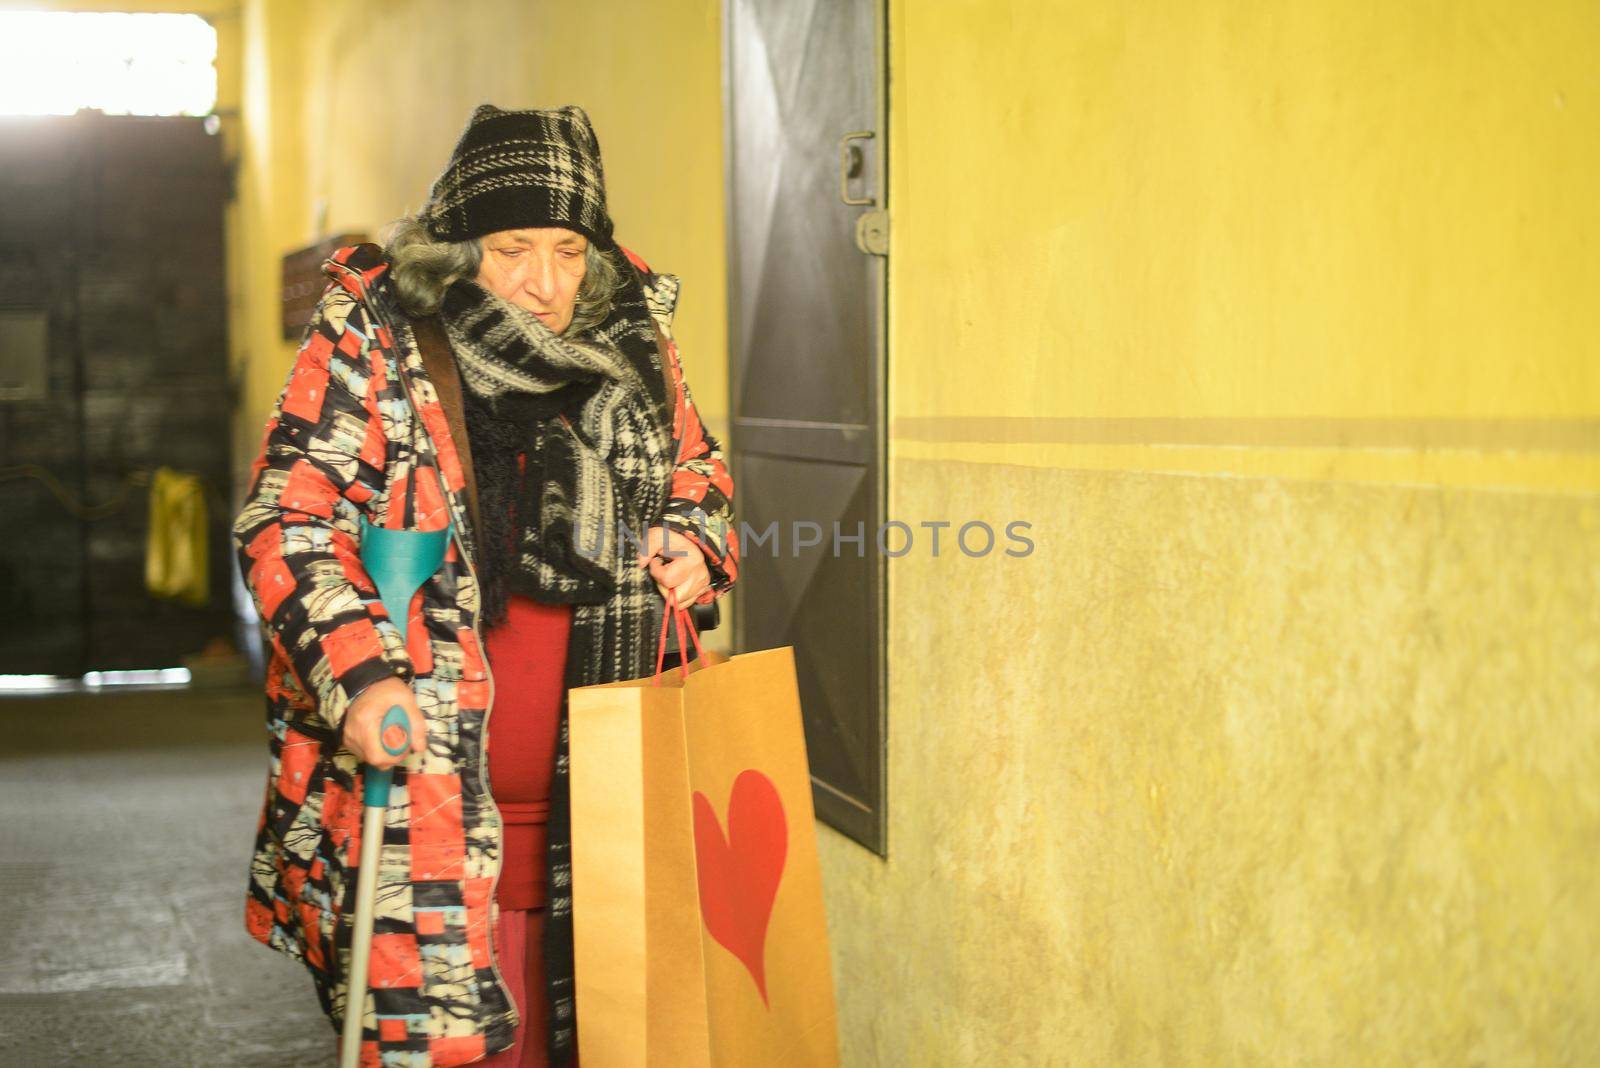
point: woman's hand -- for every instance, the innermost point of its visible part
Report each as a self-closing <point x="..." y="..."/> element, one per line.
<point x="676" y="564"/>
<point x="366" y="712"/>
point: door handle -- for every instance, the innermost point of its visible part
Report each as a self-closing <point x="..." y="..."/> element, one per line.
<point x="850" y="161"/>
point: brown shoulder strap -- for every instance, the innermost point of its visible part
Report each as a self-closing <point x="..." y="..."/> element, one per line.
<point x="440" y="363"/>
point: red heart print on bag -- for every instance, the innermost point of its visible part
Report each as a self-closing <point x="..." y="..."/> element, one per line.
<point x="739" y="873"/>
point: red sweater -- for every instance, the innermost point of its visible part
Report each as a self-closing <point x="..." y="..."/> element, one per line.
<point x="528" y="655"/>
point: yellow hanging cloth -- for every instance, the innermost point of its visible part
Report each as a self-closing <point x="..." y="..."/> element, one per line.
<point x="175" y="548"/>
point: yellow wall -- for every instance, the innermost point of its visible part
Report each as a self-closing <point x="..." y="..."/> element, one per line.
<point x="1278" y="322"/>
<point x="271" y="212"/>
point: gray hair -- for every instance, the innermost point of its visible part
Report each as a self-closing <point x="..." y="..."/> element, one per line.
<point x="423" y="267"/>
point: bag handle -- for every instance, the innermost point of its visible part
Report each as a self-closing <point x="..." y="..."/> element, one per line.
<point x="680" y="616"/>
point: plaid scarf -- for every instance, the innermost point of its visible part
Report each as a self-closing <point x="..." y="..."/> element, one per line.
<point x="578" y="488"/>
<point x="547" y="504"/>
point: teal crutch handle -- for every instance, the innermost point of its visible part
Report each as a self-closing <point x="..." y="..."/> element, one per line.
<point x="399" y="562"/>
<point x="377" y="781"/>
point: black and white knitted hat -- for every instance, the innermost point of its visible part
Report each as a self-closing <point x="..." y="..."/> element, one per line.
<point x="513" y="169"/>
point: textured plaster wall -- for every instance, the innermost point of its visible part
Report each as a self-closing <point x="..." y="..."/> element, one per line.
<point x="1278" y="323"/>
<point x="1234" y="771"/>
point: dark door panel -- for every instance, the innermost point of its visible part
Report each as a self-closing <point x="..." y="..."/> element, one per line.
<point x="807" y="323"/>
<point x="113" y="227"/>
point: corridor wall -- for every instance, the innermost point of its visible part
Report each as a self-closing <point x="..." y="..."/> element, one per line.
<point x="1278" y="323"/>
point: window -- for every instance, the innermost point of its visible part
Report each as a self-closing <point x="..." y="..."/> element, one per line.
<point x="56" y="63"/>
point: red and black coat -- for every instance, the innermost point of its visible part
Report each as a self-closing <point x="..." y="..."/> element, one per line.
<point x="358" y="431"/>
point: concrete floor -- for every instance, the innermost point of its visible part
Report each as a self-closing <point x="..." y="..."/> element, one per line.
<point x="126" y="822"/>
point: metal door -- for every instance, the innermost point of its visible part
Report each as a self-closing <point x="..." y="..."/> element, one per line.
<point x="807" y="232"/>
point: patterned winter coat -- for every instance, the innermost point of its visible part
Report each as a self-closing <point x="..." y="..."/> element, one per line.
<point x="359" y="431"/>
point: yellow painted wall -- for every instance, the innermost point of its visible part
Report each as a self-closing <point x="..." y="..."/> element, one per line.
<point x="272" y="210"/>
<point x="1278" y="322"/>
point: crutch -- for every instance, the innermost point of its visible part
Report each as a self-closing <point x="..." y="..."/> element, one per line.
<point x="399" y="562"/>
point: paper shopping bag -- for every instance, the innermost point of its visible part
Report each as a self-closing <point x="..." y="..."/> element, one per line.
<point x="697" y="898"/>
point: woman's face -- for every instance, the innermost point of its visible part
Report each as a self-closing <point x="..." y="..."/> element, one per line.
<point x="536" y="268"/>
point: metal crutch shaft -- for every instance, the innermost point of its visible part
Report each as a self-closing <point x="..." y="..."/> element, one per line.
<point x="399" y="562"/>
<point x="374" y="804"/>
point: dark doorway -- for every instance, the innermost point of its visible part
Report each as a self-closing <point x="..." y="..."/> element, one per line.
<point x="111" y="258"/>
<point x="808" y="240"/>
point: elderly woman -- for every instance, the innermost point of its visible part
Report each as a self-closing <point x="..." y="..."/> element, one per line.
<point x="509" y="290"/>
